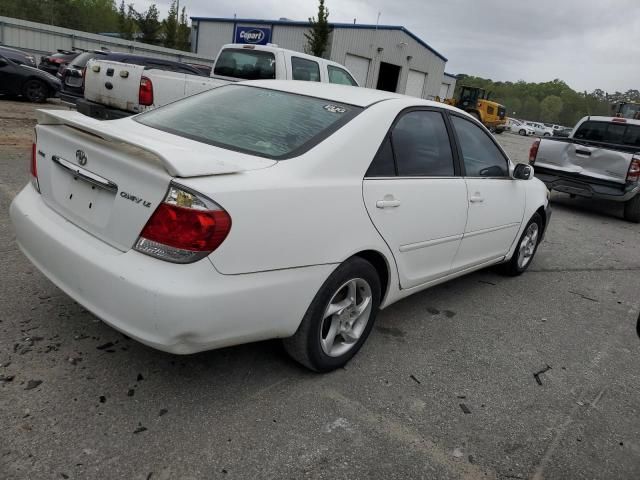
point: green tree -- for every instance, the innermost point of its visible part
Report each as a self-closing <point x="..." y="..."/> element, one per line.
<point x="318" y="35"/>
<point x="126" y="24"/>
<point x="148" y="23"/>
<point x="170" y="26"/>
<point x="550" y="109"/>
<point x="530" y="108"/>
<point x="183" y="37"/>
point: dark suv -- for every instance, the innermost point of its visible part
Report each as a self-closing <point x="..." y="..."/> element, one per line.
<point x="73" y="75"/>
<point x="19" y="76"/>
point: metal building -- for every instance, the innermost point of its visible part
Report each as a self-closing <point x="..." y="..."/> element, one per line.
<point x="386" y="57"/>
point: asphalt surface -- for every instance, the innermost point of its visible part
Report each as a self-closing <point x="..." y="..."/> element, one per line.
<point x="443" y="388"/>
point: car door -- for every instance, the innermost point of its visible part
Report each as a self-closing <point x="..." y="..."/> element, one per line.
<point x="496" y="201"/>
<point x="415" y="196"/>
<point x="10" y="78"/>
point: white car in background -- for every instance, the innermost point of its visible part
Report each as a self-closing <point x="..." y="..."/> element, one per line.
<point x="271" y="209"/>
<point x="540" y="129"/>
<point x="515" y="126"/>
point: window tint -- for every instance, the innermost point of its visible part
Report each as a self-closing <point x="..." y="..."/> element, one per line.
<point x="609" y="132"/>
<point x="260" y="121"/>
<point x="338" y="75"/>
<point x="421" y="145"/>
<point x="593" y="131"/>
<point x="383" y="165"/>
<point x="482" y="158"/>
<point x="632" y="136"/>
<point x="303" y="69"/>
<point x="247" y="64"/>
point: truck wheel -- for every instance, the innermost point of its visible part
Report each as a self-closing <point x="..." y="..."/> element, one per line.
<point x="632" y="209"/>
<point x="526" y="247"/>
<point x="339" y="318"/>
<point x="36" y="91"/>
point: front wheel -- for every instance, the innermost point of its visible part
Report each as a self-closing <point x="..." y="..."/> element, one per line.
<point x="526" y="247"/>
<point x="339" y="318"/>
<point x="632" y="209"/>
<point x="36" y="91"/>
<point x="523" y="132"/>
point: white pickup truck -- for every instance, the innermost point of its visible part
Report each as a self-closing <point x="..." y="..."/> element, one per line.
<point x="115" y="90"/>
<point x="600" y="159"/>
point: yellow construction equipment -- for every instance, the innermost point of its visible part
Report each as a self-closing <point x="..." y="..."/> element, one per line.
<point x="475" y="101"/>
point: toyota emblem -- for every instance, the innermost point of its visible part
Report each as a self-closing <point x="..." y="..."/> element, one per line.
<point x="81" y="157"/>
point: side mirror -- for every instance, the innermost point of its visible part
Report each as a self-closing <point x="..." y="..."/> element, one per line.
<point x="523" y="172"/>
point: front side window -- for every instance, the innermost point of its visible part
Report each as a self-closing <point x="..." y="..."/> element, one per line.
<point x="340" y="76"/>
<point x="259" y="121"/>
<point x="246" y="64"/>
<point x="421" y="145"/>
<point x="303" y="69"/>
<point x="481" y="156"/>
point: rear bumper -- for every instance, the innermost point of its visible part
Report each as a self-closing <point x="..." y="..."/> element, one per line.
<point x="584" y="187"/>
<point x="176" y="308"/>
<point x="99" y="111"/>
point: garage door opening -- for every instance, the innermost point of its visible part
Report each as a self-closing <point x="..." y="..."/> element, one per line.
<point x="388" y="77"/>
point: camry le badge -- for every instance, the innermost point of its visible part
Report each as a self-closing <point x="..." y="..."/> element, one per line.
<point x="81" y="157"/>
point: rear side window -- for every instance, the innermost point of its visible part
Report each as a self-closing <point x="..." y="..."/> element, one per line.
<point x="383" y="164"/>
<point x="609" y="132"/>
<point x="481" y="156"/>
<point x="259" y="121"/>
<point x="245" y="63"/>
<point x="340" y="76"/>
<point x="303" y="69"/>
<point x="421" y="145"/>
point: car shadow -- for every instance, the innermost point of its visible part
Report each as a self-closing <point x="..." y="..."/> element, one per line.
<point x="592" y="207"/>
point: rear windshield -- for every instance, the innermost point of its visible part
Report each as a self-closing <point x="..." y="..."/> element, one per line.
<point x="246" y="64"/>
<point x="609" y="132"/>
<point x="260" y="121"/>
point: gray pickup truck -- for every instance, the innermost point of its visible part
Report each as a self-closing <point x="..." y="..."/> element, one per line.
<point x="600" y="159"/>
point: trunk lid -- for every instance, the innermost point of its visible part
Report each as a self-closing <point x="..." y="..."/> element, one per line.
<point x="113" y="84"/>
<point x="108" y="177"/>
<point x="585" y="160"/>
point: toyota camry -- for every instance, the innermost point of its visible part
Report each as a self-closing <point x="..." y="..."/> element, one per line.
<point x="268" y="209"/>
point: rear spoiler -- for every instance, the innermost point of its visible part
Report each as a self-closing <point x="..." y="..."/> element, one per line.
<point x="179" y="156"/>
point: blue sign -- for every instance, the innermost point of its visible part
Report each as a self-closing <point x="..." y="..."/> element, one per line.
<point x="253" y="35"/>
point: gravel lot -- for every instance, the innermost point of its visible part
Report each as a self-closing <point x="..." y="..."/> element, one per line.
<point x="444" y="387"/>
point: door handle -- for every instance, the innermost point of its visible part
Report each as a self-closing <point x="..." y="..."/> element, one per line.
<point x="388" y="203"/>
<point x="583" y="152"/>
<point x="476" y="199"/>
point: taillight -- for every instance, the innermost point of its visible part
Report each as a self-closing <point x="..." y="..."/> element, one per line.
<point x="533" y="151"/>
<point x="633" y="175"/>
<point x="185" y="227"/>
<point x="145" y="94"/>
<point x="33" y="166"/>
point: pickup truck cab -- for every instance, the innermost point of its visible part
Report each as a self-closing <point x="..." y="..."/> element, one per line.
<point x="600" y="159"/>
<point x="115" y="89"/>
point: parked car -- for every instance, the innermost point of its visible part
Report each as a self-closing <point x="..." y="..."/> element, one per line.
<point x="232" y="216"/>
<point x="598" y="160"/>
<point x="540" y="129"/>
<point x="19" y="76"/>
<point x="562" y="132"/>
<point x="73" y="76"/>
<point x="53" y="62"/>
<point x="133" y="89"/>
<point x="514" y="126"/>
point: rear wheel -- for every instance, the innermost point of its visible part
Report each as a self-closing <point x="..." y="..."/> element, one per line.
<point x="36" y="91"/>
<point x="632" y="209"/>
<point x="526" y="247"/>
<point x="339" y="318"/>
<point x="547" y="134"/>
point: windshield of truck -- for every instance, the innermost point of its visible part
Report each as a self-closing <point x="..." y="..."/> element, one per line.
<point x="259" y="121"/>
<point x="246" y="64"/>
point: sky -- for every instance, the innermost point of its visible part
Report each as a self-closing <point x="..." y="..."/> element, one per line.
<point x="587" y="43"/>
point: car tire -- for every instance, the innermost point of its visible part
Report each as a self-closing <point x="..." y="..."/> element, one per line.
<point x="547" y="135"/>
<point x="525" y="248"/>
<point x="523" y="132"/>
<point x="325" y="341"/>
<point x="632" y="209"/>
<point x="36" y="91"/>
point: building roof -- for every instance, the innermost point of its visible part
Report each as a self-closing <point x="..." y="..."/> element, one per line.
<point x="296" y="23"/>
<point x="452" y="75"/>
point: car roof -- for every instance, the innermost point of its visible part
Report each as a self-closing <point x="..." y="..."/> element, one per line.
<point x="628" y="121"/>
<point x="11" y="51"/>
<point x="358" y="96"/>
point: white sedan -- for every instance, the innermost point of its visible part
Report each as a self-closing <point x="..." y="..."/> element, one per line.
<point x="271" y="209"/>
